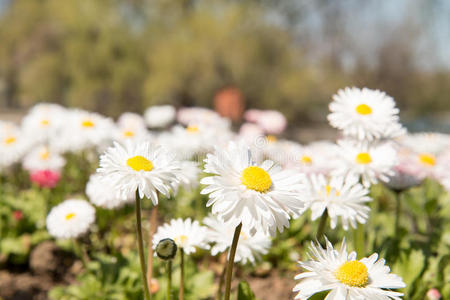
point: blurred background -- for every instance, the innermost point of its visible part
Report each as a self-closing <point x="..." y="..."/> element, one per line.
<point x="293" y="55"/>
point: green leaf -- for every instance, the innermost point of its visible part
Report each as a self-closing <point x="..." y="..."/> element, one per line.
<point x="245" y="292"/>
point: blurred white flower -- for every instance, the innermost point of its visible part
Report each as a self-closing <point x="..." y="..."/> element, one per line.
<point x="103" y="193"/>
<point x="345" y="277"/>
<point x="187" y="234"/>
<point x="160" y="116"/>
<point x="70" y="219"/>
<point x="429" y="143"/>
<point x="195" y="139"/>
<point x="262" y="198"/>
<point x="249" y="132"/>
<point x="202" y="116"/>
<point x="141" y="167"/>
<point x="409" y="171"/>
<point x="83" y="130"/>
<point x="131" y="120"/>
<point x="364" y="114"/>
<point x="130" y="126"/>
<point x="250" y="247"/>
<point x="13" y="144"/>
<point x="315" y="158"/>
<point x="43" y="158"/>
<point x="189" y="178"/>
<point x="341" y="198"/>
<point x="368" y="162"/>
<point x="44" y="122"/>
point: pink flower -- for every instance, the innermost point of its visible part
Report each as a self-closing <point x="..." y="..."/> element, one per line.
<point x="433" y="294"/>
<point x="18" y="215"/>
<point x="272" y="121"/>
<point x="45" y="178"/>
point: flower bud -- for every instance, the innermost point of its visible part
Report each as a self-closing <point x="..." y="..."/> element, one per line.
<point x="166" y="249"/>
<point x="433" y="294"/>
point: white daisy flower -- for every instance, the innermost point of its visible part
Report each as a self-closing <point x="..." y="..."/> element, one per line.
<point x="365" y="161"/>
<point x="43" y="158"/>
<point x="192" y="140"/>
<point x="250" y="247"/>
<point x="341" y="198"/>
<point x="315" y="158"/>
<point x="346" y="277"/>
<point x="103" y="193"/>
<point x="131" y="120"/>
<point x="427" y="143"/>
<point x="202" y="116"/>
<point x="411" y="169"/>
<point x="260" y="197"/>
<point x="70" y="219"/>
<point x="160" y="116"/>
<point x="363" y="114"/>
<point x="141" y="167"/>
<point x="83" y="130"/>
<point x="189" y="178"/>
<point x="130" y="126"/>
<point x="187" y="234"/>
<point x="44" y="122"/>
<point x="13" y="144"/>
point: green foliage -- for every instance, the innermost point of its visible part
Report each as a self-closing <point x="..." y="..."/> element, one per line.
<point x="108" y="277"/>
<point x="419" y="251"/>
<point x="22" y="223"/>
<point x="245" y="292"/>
<point x="122" y="55"/>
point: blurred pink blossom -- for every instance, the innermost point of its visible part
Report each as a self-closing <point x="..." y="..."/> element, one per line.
<point x="433" y="294"/>
<point x="45" y="178"/>
<point x="18" y="215"/>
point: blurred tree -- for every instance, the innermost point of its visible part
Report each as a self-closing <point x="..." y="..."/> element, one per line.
<point x="124" y="55"/>
<point x="117" y="55"/>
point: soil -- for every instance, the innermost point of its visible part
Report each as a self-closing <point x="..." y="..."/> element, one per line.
<point x="49" y="266"/>
<point x="273" y="286"/>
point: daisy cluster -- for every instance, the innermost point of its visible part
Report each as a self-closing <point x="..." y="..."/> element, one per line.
<point x="252" y="177"/>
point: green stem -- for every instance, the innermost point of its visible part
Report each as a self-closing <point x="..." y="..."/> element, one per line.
<point x="229" y="272"/>
<point x="141" y="246"/>
<point x="322" y="225"/>
<point x="81" y="252"/>
<point x="181" y="296"/>
<point x="398" y="208"/>
<point x="169" y="279"/>
<point x="221" y="280"/>
<point x="359" y="240"/>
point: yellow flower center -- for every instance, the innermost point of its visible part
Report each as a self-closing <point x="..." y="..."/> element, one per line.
<point x="45" y="122"/>
<point x="307" y="160"/>
<point x="87" y="123"/>
<point x="182" y="239"/>
<point x="256" y="178"/>
<point x="192" y="129"/>
<point x="70" y="216"/>
<point x="271" y="138"/>
<point x="243" y="235"/>
<point x="363" y="109"/>
<point x="9" y="140"/>
<point x="140" y="163"/>
<point x="128" y="133"/>
<point x="353" y="273"/>
<point x="45" y="154"/>
<point x="363" y="158"/>
<point x="328" y="190"/>
<point x="427" y="159"/>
